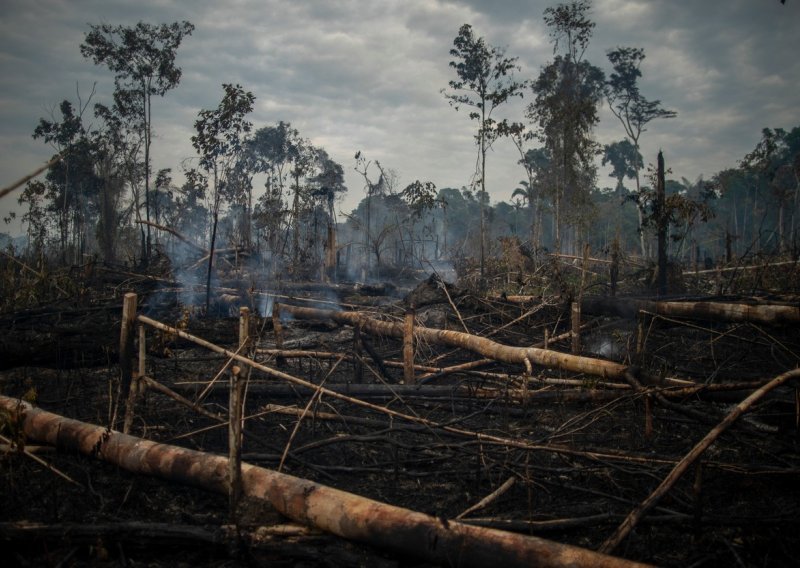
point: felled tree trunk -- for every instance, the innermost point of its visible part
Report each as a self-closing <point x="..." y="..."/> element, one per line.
<point x="715" y="311"/>
<point x="344" y="514"/>
<point x="481" y="345"/>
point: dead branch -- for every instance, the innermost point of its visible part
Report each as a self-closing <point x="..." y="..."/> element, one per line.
<point x="8" y="189"/>
<point x="489" y="499"/>
<point x="158" y="387"/>
<point x="482" y="437"/>
<point x="716" y="311"/>
<point x="175" y="233"/>
<point x="481" y="345"/>
<point x="29" y="454"/>
<point x="332" y="510"/>
<point x="680" y="468"/>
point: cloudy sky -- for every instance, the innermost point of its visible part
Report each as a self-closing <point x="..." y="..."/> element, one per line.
<point x="366" y="75"/>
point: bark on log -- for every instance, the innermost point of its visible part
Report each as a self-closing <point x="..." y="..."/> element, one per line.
<point x="716" y="311"/>
<point x="481" y="345"/>
<point x="344" y="514"/>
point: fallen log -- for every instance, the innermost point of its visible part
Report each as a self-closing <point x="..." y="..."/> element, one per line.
<point x="707" y="310"/>
<point x="346" y="515"/>
<point x="382" y="392"/>
<point x="481" y="345"/>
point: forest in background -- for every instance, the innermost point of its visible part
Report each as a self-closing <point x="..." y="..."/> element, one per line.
<point x="270" y="194"/>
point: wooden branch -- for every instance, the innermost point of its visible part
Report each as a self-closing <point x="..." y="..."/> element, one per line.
<point x="126" y="355"/>
<point x="736" y="268"/>
<point x="8" y="189"/>
<point x="391" y="391"/>
<point x="716" y="311"/>
<point x="489" y="499"/>
<point x="356" y="518"/>
<point x="408" y="347"/>
<point x="481" y="345"/>
<point x="146" y="532"/>
<point x="680" y="468"/>
<point x="235" y="410"/>
<point x="441" y="372"/>
<point x="480" y="436"/>
<point x="178" y="235"/>
<point x="158" y="387"/>
<point x="28" y="453"/>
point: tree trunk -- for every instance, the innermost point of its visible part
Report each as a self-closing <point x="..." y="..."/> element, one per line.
<point x="662" y="219"/>
<point x="356" y="518"/>
<point x="146" y="109"/>
<point x="715" y="311"/>
<point x="214" y="222"/>
<point x="481" y="345"/>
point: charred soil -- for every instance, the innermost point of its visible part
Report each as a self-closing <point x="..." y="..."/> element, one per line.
<point x="574" y="452"/>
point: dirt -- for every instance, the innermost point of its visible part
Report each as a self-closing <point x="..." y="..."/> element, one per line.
<point x="740" y="507"/>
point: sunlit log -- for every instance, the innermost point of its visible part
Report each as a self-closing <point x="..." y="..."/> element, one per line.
<point x="350" y="516"/>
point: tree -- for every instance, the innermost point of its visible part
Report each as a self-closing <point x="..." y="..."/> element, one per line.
<point x="538" y="165"/>
<point x="302" y="156"/>
<point x="72" y="184"/>
<point x="113" y="148"/>
<point x="326" y="186"/>
<point x="568" y="92"/>
<point x="219" y="141"/>
<point x="190" y="215"/>
<point x="776" y="158"/>
<point x="373" y="188"/>
<point x="269" y="147"/>
<point x="632" y="109"/>
<point x="625" y="160"/>
<point x="142" y="58"/>
<point x="485" y="81"/>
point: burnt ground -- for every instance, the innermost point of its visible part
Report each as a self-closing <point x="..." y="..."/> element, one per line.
<point x="739" y="507"/>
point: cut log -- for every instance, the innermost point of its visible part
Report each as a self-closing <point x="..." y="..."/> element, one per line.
<point x="481" y="345"/>
<point x="352" y="517"/>
<point x="715" y="311"/>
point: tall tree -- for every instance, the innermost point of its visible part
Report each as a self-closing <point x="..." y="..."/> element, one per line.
<point x="624" y="160"/>
<point x="485" y="81"/>
<point x="538" y="166"/>
<point x="632" y="109"/>
<point x="326" y="186"/>
<point x="72" y="185"/>
<point x="302" y="155"/>
<point x="374" y="189"/>
<point x="269" y="146"/>
<point x="776" y="158"/>
<point x="220" y="141"/>
<point x="142" y="58"/>
<point x="568" y="92"/>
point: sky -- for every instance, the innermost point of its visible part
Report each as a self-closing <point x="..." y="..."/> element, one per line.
<point x="367" y="76"/>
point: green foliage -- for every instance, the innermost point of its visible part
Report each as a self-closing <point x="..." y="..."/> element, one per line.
<point x="142" y="57"/>
<point x="220" y="132"/>
<point x="420" y="196"/>
<point x="568" y="92"/>
<point x="624" y="99"/>
<point x="485" y="81"/>
<point x="625" y="161"/>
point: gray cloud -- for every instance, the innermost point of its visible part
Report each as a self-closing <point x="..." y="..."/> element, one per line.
<point x="367" y="75"/>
